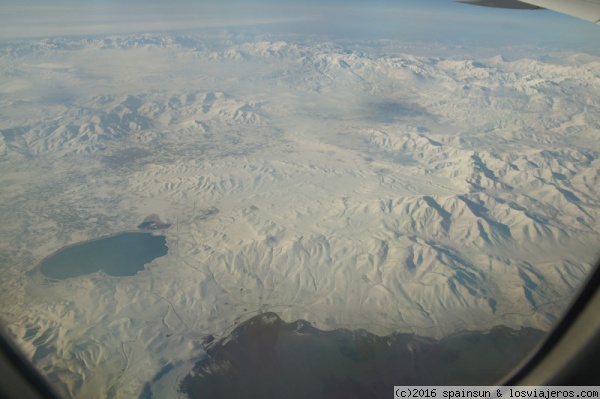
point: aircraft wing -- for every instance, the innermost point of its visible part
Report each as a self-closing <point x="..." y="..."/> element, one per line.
<point x="584" y="9"/>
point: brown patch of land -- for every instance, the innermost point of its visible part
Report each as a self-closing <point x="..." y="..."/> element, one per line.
<point x="153" y="222"/>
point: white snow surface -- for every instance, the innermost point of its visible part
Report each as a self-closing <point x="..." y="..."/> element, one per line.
<point x="354" y="186"/>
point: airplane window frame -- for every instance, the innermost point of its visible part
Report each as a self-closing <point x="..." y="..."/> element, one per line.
<point x="566" y="355"/>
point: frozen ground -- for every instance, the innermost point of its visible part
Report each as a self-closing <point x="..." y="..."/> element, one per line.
<point x="352" y="185"/>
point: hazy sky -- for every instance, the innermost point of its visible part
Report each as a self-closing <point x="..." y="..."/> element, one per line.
<point x="399" y="19"/>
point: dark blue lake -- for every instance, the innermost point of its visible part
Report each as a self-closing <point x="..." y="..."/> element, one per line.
<point x="265" y="357"/>
<point x="124" y="254"/>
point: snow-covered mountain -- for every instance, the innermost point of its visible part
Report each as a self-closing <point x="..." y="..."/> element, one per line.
<point x="348" y="186"/>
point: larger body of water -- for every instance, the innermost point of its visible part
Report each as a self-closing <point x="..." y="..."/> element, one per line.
<point x="124" y="254"/>
<point x="267" y="358"/>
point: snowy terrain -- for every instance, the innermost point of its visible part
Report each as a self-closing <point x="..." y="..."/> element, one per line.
<point x="349" y="185"/>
